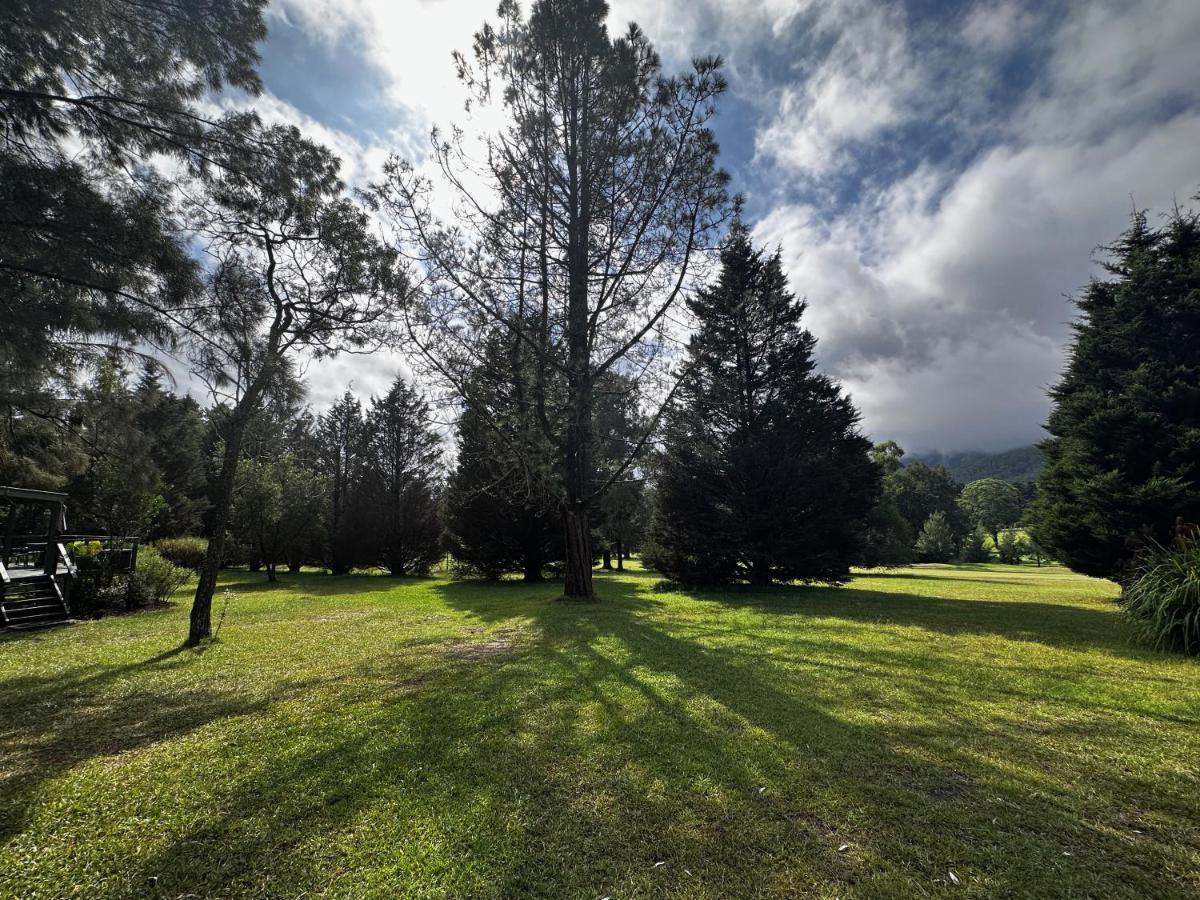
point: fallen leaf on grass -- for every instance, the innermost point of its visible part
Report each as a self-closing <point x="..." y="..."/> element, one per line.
<point x="954" y="878"/>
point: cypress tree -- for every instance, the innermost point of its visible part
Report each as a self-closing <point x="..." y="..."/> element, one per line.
<point x="496" y="522"/>
<point x="341" y="438"/>
<point x="765" y="476"/>
<point x="1123" y="456"/>
<point x="400" y="482"/>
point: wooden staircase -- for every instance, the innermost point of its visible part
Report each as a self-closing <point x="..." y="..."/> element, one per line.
<point x="34" y="602"/>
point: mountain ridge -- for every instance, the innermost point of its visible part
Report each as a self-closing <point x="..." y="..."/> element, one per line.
<point x="1017" y="464"/>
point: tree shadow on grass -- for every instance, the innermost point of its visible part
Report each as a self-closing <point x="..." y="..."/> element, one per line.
<point x="613" y="743"/>
<point x="57" y="722"/>
<point x="1052" y="624"/>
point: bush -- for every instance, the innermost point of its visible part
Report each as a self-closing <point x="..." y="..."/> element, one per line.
<point x="1012" y="548"/>
<point x="183" y="551"/>
<point x="1162" y="599"/>
<point x="162" y="577"/>
<point x="137" y="591"/>
<point x="85" y="554"/>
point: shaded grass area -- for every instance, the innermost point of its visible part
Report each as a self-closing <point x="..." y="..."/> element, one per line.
<point x="376" y="737"/>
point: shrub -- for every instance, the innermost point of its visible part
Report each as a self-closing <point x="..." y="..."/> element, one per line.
<point x="1012" y="547"/>
<point x="183" y="551"/>
<point x="162" y="577"/>
<point x="137" y="591"/>
<point x="85" y="554"/>
<point x="1162" y="599"/>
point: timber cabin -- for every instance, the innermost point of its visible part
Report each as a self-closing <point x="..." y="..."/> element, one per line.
<point x="36" y="568"/>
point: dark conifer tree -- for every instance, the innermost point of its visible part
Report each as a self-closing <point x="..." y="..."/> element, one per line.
<point x="502" y="514"/>
<point x="341" y="448"/>
<point x="765" y="476"/>
<point x="1123" y="457"/>
<point x="619" y="426"/>
<point x="398" y="494"/>
<point x="174" y="427"/>
<point x="496" y="519"/>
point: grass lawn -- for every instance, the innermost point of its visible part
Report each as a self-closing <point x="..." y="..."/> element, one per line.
<point x="370" y="737"/>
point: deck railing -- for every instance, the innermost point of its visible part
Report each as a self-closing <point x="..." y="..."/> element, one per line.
<point x="33" y="551"/>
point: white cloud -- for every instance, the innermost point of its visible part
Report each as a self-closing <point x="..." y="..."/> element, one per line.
<point x="918" y="293"/>
<point x="999" y="26"/>
<point x="866" y="83"/>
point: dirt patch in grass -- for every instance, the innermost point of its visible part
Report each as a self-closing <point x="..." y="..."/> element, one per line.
<point x="342" y="615"/>
<point x="484" y="646"/>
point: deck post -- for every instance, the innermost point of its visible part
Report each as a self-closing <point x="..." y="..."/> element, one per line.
<point x="9" y="532"/>
<point x="50" y="560"/>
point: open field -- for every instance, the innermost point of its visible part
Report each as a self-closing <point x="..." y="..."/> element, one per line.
<point x="369" y="737"/>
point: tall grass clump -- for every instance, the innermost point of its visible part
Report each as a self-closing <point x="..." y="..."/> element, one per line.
<point x="1162" y="599"/>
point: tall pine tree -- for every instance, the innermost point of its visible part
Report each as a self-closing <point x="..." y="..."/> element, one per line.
<point x="341" y="438"/>
<point x="400" y="481"/>
<point x="765" y="476"/>
<point x="497" y="520"/>
<point x="501" y="509"/>
<point x="1123" y="456"/>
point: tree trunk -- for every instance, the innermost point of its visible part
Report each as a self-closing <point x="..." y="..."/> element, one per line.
<point x="200" y="622"/>
<point x="578" y="581"/>
<point x="620" y="557"/>
<point x="607" y="558"/>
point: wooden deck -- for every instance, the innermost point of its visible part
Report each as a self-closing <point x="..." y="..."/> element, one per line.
<point x="18" y="574"/>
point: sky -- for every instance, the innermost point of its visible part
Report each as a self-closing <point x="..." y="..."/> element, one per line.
<point x="938" y="176"/>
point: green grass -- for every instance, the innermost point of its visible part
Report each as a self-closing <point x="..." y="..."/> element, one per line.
<point x="369" y="737"/>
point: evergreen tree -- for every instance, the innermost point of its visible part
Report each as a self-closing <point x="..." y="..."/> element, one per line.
<point x="1123" y="456"/>
<point x="973" y="547"/>
<point x="277" y="509"/>
<point x="119" y="492"/>
<point x="585" y="221"/>
<point x="619" y="426"/>
<point x="936" y="542"/>
<point x="501" y="509"/>
<point x="91" y="91"/>
<point x="341" y="440"/>
<point x="174" y="427"/>
<point x="496" y="520"/>
<point x="399" y="490"/>
<point x="765" y="476"/>
<point x="1011" y="548"/>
